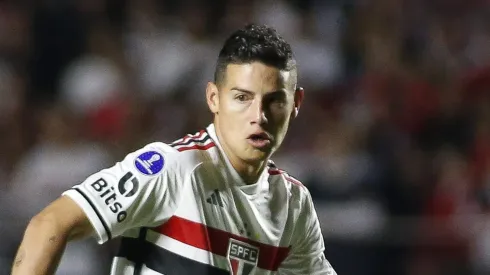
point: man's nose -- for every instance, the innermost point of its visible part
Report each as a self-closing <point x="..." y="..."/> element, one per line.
<point x="258" y="114"/>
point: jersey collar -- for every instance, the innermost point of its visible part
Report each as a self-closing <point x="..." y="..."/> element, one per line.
<point x="238" y="181"/>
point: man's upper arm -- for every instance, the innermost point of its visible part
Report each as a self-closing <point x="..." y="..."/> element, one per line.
<point x="132" y="193"/>
<point x="68" y="217"/>
<point x="307" y="250"/>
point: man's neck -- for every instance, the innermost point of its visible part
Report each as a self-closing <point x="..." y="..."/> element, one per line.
<point x="250" y="173"/>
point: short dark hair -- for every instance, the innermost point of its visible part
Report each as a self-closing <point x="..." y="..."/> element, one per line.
<point x="255" y="43"/>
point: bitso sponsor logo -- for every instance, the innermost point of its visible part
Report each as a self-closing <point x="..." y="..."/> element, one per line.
<point x="242" y="257"/>
<point x="127" y="187"/>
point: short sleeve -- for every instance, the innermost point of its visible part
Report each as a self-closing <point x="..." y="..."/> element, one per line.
<point x="306" y="256"/>
<point x="141" y="190"/>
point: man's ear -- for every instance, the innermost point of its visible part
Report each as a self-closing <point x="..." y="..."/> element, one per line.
<point x="212" y="97"/>
<point x="299" y="95"/>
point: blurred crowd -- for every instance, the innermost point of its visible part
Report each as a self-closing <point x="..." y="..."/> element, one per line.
<point x="393" y="140"/>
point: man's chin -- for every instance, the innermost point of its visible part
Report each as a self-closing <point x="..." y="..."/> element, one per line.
<point x="256" y="156"/>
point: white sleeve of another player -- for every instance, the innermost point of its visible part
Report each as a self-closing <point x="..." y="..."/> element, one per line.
<point x="136" y="192"/>
<point x="306" y="255"/>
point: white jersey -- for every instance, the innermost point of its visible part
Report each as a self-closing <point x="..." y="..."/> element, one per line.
<point x="182" y="209"/>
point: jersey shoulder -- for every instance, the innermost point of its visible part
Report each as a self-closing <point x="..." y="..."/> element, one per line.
<point x="294" y="186"/>
<point x="190" y="151"/>
<point x="194" y="143"/>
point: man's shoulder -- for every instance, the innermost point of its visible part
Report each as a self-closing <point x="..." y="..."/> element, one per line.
<point x="194" y="143"/>
<point x="295" y="187"/>
<point x="187" y="152"/>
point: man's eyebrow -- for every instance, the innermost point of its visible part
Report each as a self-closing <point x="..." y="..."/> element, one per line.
<point x="280" y="91"/>
<point x="242" y="90"/>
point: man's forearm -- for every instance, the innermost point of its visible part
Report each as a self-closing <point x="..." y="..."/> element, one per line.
<point x="41" y="249"/>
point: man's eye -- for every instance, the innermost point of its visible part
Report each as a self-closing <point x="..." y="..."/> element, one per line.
<point x="241" y="97"/>
<point x="279" y="99"/>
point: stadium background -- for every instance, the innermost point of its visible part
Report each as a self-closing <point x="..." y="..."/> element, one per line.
<point x="392" y="141"/>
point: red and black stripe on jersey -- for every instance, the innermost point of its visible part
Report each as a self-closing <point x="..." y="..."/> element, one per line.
<point x="199" y="141"/>
<point x="273" y="170"/>
<point x="197" y="235"/>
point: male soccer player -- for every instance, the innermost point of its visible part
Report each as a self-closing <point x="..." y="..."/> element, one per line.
<point x="209" y="203"/>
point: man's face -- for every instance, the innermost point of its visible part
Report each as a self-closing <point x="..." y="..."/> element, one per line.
<point x="253" y="107"/>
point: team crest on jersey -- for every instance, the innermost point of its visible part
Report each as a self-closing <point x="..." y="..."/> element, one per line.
<point x="242" y="257"/>
<point x="149" y="163"/>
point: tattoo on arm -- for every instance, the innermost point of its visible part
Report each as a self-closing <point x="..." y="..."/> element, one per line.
<point x="19" y="258"/>
<point x="21" y="254"/>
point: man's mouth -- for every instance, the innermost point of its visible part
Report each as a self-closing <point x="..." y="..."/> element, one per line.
<point x="259" y="140"/>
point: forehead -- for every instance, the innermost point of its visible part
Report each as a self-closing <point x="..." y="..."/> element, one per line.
<point x="257" y="76"/>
